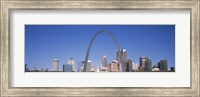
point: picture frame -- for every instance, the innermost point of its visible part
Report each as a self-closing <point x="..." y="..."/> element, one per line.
<point x="8" y="5"/>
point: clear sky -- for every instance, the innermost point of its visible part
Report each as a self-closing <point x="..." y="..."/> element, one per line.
<point x="43" y="43"/>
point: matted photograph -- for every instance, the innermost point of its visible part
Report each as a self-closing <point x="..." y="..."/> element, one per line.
<point x="99" y="48"/>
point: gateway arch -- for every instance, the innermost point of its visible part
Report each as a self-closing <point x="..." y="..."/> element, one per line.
<point x="120" y="59"/>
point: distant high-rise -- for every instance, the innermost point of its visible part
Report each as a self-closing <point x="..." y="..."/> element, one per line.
<point x="113" y="66"/>
<point x="117" y="54"/>
<point x="148" y="65"/>
<point x="124" y="54"/>
<point x="72" y="62"/>
<point x="142" y="61"/>
<point x="104" y="61"/>
<point x="128" y="65"/>
<point x="162" y="65"/>
<point x="89" y="64"/>
<point x="90" y="67"/>
<point x="67" y="68"/>
<point x="135" y="66"/>
<point x="55" y="65"/>
<point x="121" y="57"/>
<point x="145" y="64"/>
<point x="82" y="66"/>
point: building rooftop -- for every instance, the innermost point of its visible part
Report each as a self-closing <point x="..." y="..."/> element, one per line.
<point x="56" y="60"/>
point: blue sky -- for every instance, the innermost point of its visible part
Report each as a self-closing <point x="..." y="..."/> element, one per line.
<point x="43" y="43"/>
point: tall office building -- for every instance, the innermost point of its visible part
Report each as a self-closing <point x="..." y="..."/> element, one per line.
<point x="162" y="65"/>
<point x="124" y="54"/>
<point x="89" y="64"/>
<point x="128" y="65"/>
<point x="145" y="64"/>
<point x="67" y="68"/>
<point x="148" y="65"/>
<point x="135" y="66"/>
<point x="121" y="55"/>
<point x="104" y="61"/>
<point x="142" y="61"/>
<point x="117" y="54"/>
<point x="113" y="66"/>
<point x="72" y="62"/>
<point x="55" y="65"/>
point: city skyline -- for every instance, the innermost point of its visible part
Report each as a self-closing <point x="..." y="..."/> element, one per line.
<point x="54" y="41"/>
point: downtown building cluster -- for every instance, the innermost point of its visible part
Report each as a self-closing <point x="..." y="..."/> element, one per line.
<point x="145" y="65"/>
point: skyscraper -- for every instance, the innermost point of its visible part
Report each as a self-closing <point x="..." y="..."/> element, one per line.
<point x="121" y="56"/>
<point x="72" y="62"/>
<point x="142" y="61"/>
<point x="113" y="66"/>
<point x="89" y="64"/>
<point x="55" y="65"/>
<point x="162" y="65"/>
<point x="117" y="54"/>
<point x="135" y="66"/>
<point x="148" y="65"/>
<point x="124" y="54"/>
<point x="145" y="64"/>
<point x="104" y="61"/>
<point x="128" y="65"/>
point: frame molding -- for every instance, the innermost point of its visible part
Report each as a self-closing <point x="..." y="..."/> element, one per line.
<point x="8" y="5"/>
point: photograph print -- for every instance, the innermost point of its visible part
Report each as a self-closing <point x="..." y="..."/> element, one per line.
<point x="99" y="48"/>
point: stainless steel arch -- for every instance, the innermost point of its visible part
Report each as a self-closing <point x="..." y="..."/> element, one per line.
<point x="88" y="50"/>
